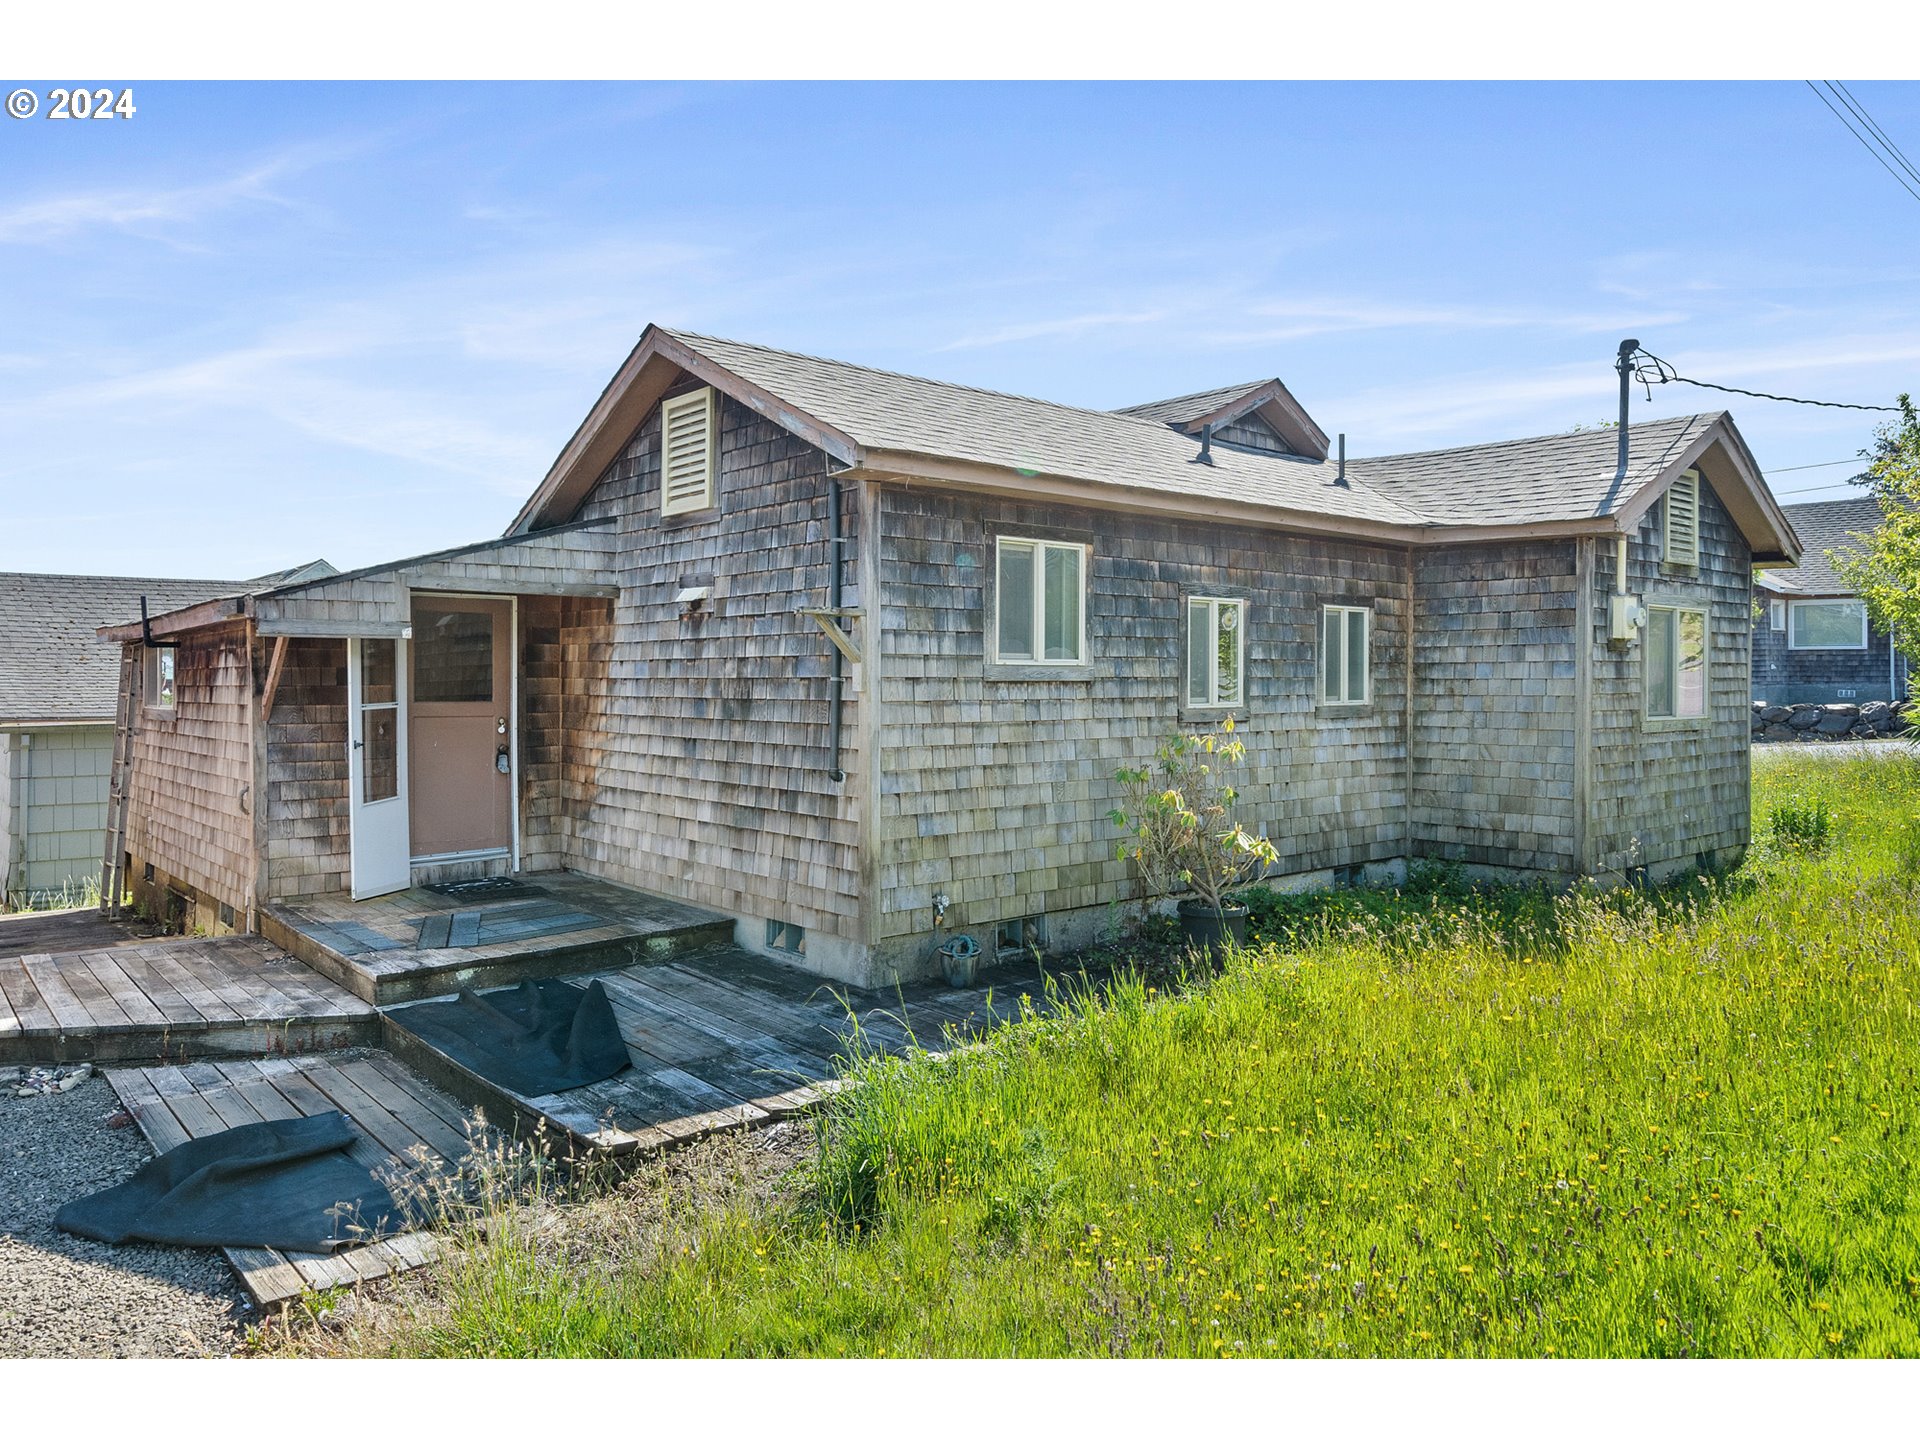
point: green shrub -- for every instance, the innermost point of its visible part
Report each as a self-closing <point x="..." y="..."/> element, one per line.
<point x="1801" y="823"/>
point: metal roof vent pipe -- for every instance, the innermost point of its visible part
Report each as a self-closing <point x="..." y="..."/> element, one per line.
<point x="1205" y="457"/>
<point x="1341" y="478"/>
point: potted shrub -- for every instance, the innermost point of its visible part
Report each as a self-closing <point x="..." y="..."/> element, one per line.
<point x="1178" y="815"/>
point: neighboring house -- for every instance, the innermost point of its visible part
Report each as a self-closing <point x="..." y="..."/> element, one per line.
<point x="1812" y="643"/>
<point x="57" y="688"/>
<point x="856" y="663"/>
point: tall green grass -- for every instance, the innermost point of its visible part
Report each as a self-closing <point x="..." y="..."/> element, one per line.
<point x="1443" y="1124"/>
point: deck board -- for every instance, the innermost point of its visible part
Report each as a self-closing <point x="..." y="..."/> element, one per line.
<point x="171" y="1104"/>
<point x="418" y="943"/>
<point x="720" y="1039"/>
<point x="171" y="999"/>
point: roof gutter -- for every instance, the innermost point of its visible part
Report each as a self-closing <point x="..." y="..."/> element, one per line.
<point x="898" y="467"/>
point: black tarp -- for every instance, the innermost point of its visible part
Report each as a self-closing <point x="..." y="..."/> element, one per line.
<point x="542" y="1036"/>
<point x="287" y="1184"/>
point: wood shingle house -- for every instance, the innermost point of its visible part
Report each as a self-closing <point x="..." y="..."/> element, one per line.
<point x="57" y="685"/>
<point x="849" y="658"/>
<point x="1811" y="641"/>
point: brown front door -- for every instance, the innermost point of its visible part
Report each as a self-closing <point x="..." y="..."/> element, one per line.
<point x="462" y="721"/>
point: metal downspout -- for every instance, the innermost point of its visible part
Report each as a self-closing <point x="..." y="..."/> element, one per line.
<point x="837" y="677"/>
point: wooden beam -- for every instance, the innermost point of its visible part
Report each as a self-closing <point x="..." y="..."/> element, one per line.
<point x="193" y="617"/>
<point x="274" y="667"/>
<point x="829" y="623"/>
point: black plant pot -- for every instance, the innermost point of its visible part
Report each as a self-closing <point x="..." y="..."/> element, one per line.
<point x="1203" y="928"/>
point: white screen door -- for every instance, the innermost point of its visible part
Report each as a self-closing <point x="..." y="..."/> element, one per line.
<point x="377" y="766"/>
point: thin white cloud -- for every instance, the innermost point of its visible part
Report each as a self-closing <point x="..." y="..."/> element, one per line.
<point x="146" y="211"/>
<point x="1299" y="319"/>
<point x="1070" y="325"/>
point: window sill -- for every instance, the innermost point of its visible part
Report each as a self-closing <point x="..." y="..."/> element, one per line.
<point x="1673" y="722"/>
<point x="997" y="670"/>
<point x="1344" y="707"/>
<point x="1214" y="714"/>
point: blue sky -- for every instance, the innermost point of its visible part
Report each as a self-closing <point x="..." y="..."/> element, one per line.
<point x="260" y="323"/>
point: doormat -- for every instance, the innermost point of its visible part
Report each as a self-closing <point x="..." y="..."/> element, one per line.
<point x="492" y="887"/>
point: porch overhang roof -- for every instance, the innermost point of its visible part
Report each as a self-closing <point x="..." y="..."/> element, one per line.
<point x="567" y="560"/>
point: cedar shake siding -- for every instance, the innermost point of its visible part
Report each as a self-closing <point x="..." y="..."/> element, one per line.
<point x="306" y="831"/>
<point x="190" y="800"/>
<point x="1494" y="706"/>
<point x="1669" y="794"/>
<point x="994" y="788"/>
<point x="704" y="758"/>
<point x="566" y="643"/>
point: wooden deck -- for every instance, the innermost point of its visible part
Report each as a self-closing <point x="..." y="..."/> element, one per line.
<point x="171" y="999"/>
<point x="52" y="932"/>
<point x="420" y="942"/>
<point x="723" y="1039"/>
<point x="395" y="1112"/>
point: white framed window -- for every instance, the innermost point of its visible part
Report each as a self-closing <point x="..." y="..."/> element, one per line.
<point x="688" y="451"/>
<point x="1346" y="672"/>
<point x="1680" y="520"/>
<point x="1040" y="602"/>
<point x="1216" y="652"/>
<point x="159" y="684"/>
<point x="1676" y="663"/>
<point x="1827" y="625"/>
<point x="1777" y="615"/>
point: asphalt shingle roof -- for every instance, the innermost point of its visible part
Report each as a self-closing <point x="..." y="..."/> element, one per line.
<point x="885" y="411"/>
<point x="1571" y="476"/>
<point x="1182" y="408"/>
<point x="1825" y="525"/>
<point x="52" y="665"/>
<point x="1511" y="482"/>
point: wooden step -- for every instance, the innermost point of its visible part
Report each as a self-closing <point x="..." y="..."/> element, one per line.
<point x="172" y="999"/>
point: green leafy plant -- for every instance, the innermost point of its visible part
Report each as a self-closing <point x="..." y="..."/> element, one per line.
<point x="1178" y="815"/>
<point x="1801" y="824"/>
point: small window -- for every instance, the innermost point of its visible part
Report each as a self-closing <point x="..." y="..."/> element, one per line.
<point x="159" y="680"/>
<point x="687" y="452"/>
<point x="1681" y="507"/>
<point x="1040" y="602"/>
<point x="1777" y="615"/>
<point x="1346" y="676"/>
<point x="1216" y="652"/>
<point x="1828" y="625"/>
<point x="1676" y="663"/>
<point x="788" y="938"/>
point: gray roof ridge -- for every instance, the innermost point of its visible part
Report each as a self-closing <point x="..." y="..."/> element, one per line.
<point x="1204" y="390"/>
<point x="1866" y="497"/>
<point x="117" y="579"/>
<point x="1709" y="415"/>
<point x="694" y="337"/>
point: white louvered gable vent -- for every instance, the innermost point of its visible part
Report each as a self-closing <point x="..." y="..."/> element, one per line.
<point x="687" y="452"/>
<point x="1683" y="520"/>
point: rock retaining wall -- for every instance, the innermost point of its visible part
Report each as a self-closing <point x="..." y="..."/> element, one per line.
<point x="1874" y="720"/>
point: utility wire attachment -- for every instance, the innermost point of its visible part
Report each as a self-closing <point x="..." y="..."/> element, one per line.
<point x="1650" y="370"/>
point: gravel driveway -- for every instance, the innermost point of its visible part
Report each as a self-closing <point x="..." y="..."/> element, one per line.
<point x="61" y="1295"/>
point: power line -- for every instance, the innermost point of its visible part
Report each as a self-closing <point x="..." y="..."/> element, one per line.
<point x="1886" y="140"/>
<point x="1661" y="373"/>
<point x="1818" y="465"/>
<point x="1885" y="164"/>
<point x="1818" y="489"/>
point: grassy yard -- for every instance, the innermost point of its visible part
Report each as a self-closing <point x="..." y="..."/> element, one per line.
<point x="1437" y="1124"/>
